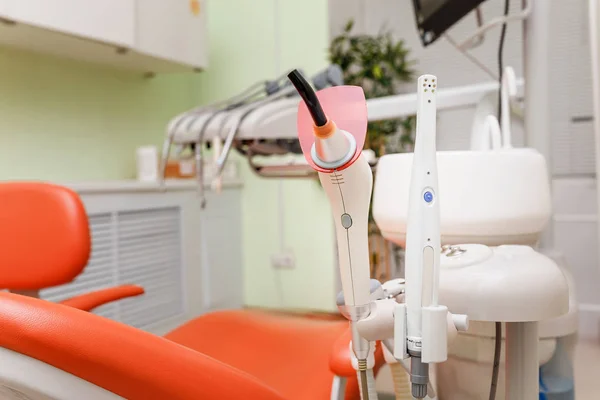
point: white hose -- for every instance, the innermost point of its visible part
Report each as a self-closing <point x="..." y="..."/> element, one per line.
<point x="370" y="385"/>
<point x="401" y="382"/>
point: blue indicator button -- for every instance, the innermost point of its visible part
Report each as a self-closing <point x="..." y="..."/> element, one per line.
<point x="428" y="196"/>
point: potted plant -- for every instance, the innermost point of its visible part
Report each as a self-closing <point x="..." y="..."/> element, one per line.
<point x="379" y="64"/>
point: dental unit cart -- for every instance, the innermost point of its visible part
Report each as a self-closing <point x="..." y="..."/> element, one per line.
<point x="331" y="141"/>
<point x="513" y="284"/>
<point x="481" y="202"/>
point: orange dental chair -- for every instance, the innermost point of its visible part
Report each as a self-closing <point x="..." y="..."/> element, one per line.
<point x="32" y="258"/>
<point x="59" y="351"/>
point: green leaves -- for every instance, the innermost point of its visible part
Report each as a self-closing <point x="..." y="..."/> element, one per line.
<point x="378" y="64"/>
<point x="349" y="26"/>
<point x="377" y="73"/>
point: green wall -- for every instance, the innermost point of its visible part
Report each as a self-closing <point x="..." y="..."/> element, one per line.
<point x="67" y="121"/>
<point x="260" y="40"/>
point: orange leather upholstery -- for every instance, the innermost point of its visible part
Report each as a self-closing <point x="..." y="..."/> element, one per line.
<point x="44" y="235"/>
<point x="289" y="353"/>
<point x="340" y="360"/>
<point x="124" y="360"/>
<point x="89" y="301"/>
<point x="45" y="241"/>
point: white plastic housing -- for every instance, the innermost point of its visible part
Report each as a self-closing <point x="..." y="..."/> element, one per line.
<point x="466" y="373"/>
<point x="400" y="350"/>
<point x="452" y="330"/>
<point x="460" y="322"/>
<point x="349" y="193"/>
<point x="435" y="334"/>
<point x="379" y="325"/>
<point x="505" y="284"/>
<point x="490" y="197"/>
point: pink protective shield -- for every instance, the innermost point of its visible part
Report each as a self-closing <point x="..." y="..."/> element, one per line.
<point x="344" y="105"/>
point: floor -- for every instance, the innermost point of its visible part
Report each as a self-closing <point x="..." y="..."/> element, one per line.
<point x="587" y="373"/>
<point x="587" y="370"/>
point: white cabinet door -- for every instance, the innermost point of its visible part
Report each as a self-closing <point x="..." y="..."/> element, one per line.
<point x="111" y="21"/>
<point x="174" y="30"/>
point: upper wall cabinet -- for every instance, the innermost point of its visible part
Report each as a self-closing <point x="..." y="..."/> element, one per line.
<point x="144" y="35"/>
<point x="110" y="21"/>
<point x="174" y="29"/>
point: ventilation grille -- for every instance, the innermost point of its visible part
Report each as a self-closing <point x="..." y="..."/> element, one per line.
<point x="141" y="247"/>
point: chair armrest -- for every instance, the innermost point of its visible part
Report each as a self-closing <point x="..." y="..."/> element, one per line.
<point x="89" y="301"/>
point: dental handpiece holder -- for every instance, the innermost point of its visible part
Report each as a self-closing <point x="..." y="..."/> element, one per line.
<point x="332" y="126"/>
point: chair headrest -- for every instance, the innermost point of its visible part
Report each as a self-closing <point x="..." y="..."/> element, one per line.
<point x="44" y="235"/>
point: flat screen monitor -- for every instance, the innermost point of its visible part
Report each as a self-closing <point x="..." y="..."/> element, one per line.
<point x="434" y="17"/>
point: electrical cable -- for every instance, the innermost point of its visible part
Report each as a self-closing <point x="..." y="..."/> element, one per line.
<point x="309" y="96"/>
<point x="498" y="340"/>
<point x="501" y="54"/>
<point x="496" y="366"/>
<point x="364" y="384"/>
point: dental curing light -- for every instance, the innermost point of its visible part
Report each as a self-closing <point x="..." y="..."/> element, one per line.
<point x="426" y="328"/>
<point x="332" y="144"/>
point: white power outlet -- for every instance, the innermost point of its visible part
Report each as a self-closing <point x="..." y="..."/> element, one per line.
<point x="283" y="260"/>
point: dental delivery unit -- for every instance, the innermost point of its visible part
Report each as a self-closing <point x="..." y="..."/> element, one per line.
<point x="332" y="141"/>
<point x="445" y="286"/>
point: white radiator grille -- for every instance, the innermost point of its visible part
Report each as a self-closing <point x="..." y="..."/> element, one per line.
<point x="141" y="247"/>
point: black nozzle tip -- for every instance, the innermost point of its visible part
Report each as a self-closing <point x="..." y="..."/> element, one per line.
<point x="298" y="79"/>
<point x="309" y="96"/>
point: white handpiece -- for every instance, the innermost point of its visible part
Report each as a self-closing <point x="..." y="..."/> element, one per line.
<point x="349" y="193"/>
<point x="348" y="185"/>
<point x="423" y="225"/>
<point x="347" y="179"/>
